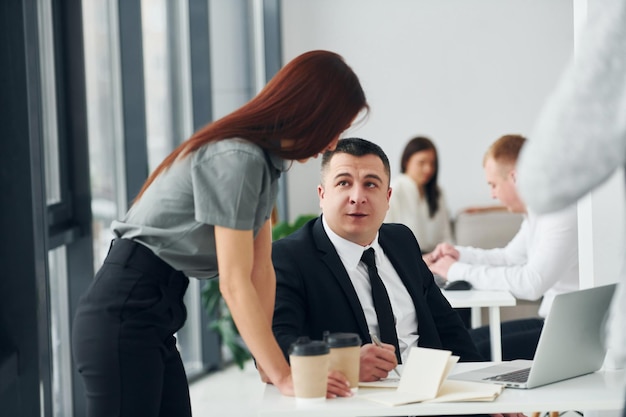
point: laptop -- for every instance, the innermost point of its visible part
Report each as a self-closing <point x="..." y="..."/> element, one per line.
<point x="571" y="343"/>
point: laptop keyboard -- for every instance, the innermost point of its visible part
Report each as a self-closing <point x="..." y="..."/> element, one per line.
<point x="515" y="376"/>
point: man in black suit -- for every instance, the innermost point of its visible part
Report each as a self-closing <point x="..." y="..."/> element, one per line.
<point x="322" y="284"/>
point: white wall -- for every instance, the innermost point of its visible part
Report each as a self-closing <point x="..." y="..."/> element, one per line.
<point x="601" y="233"/>
<point x="462" y="72"/>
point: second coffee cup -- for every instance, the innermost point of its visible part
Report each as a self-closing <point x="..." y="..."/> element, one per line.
<point x="345" y="356"/>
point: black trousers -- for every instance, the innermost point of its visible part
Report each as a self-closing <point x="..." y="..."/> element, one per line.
<point x="123" y="336"/>
<point x="519" y="339"/>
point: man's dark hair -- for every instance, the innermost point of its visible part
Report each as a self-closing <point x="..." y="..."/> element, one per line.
<point x="356" y="147"/>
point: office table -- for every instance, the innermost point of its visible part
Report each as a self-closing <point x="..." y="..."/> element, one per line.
<point x="600" y="391"/>
<point x="475" y="299"/>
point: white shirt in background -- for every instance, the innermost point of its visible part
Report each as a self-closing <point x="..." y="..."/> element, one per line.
<point x="409" y="208"/>
<point x="540" y="260"/>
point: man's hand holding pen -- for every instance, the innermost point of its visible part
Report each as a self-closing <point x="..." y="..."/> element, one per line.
<point x="377" y="361"/>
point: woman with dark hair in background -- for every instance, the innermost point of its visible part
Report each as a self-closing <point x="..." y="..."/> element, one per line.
<point x="416" y="199"/>
<point x="205" y="211"/>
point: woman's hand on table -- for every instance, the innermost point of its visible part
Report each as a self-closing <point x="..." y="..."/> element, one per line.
<point x="338" y="385"/>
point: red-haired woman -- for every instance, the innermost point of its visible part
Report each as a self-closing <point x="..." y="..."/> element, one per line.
<point x="205" y="212"/>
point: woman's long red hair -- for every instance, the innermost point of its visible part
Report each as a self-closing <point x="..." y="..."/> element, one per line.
<point x="311" y="100"/>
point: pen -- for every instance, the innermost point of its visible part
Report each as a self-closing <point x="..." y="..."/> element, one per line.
<point x="378" y="343"/>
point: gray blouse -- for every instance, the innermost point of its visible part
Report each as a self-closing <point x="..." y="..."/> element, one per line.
<point x="230" y="183"/>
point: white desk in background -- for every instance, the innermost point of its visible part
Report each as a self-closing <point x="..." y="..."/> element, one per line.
<point x="475" y="299"/>
<point x="600" y="391"/>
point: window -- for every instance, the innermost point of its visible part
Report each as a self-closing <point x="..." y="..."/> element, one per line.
<point x="157" y="76"/>
<point x="102" y="73"/>
<point x="60" y="333"/>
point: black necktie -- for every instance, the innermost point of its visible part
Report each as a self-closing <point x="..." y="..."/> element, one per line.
<point x="382" y="305"/>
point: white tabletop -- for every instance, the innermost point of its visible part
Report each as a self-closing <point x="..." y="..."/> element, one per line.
<point x="603" y="390"/>
<point x="479" y="298"/>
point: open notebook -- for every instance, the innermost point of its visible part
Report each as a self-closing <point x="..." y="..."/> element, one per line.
<point x="424" y="379"/>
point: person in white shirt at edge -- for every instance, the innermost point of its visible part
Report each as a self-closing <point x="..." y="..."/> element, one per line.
<point x="540" y="261"/>
<point x="581" y="137"/>
<point x="418" y="201"/>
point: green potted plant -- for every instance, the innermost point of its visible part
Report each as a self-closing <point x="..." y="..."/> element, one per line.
<point x="216" y="307"/>
<point x="222" y="322"/>
<point x="283" y="229"/>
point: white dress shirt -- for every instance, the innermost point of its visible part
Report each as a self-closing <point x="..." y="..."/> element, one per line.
<point x="401" y="302"/>
<point x="541" y="260"/>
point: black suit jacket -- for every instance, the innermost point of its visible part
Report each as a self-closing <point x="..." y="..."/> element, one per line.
<point x="314" y="292"/>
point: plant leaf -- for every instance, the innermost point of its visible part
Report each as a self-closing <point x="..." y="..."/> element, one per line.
<point x="211" y="296"/>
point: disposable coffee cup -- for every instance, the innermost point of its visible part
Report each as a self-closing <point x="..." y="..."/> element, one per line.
<point x="345" y="356"/>
<point x="309" y="369"/>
